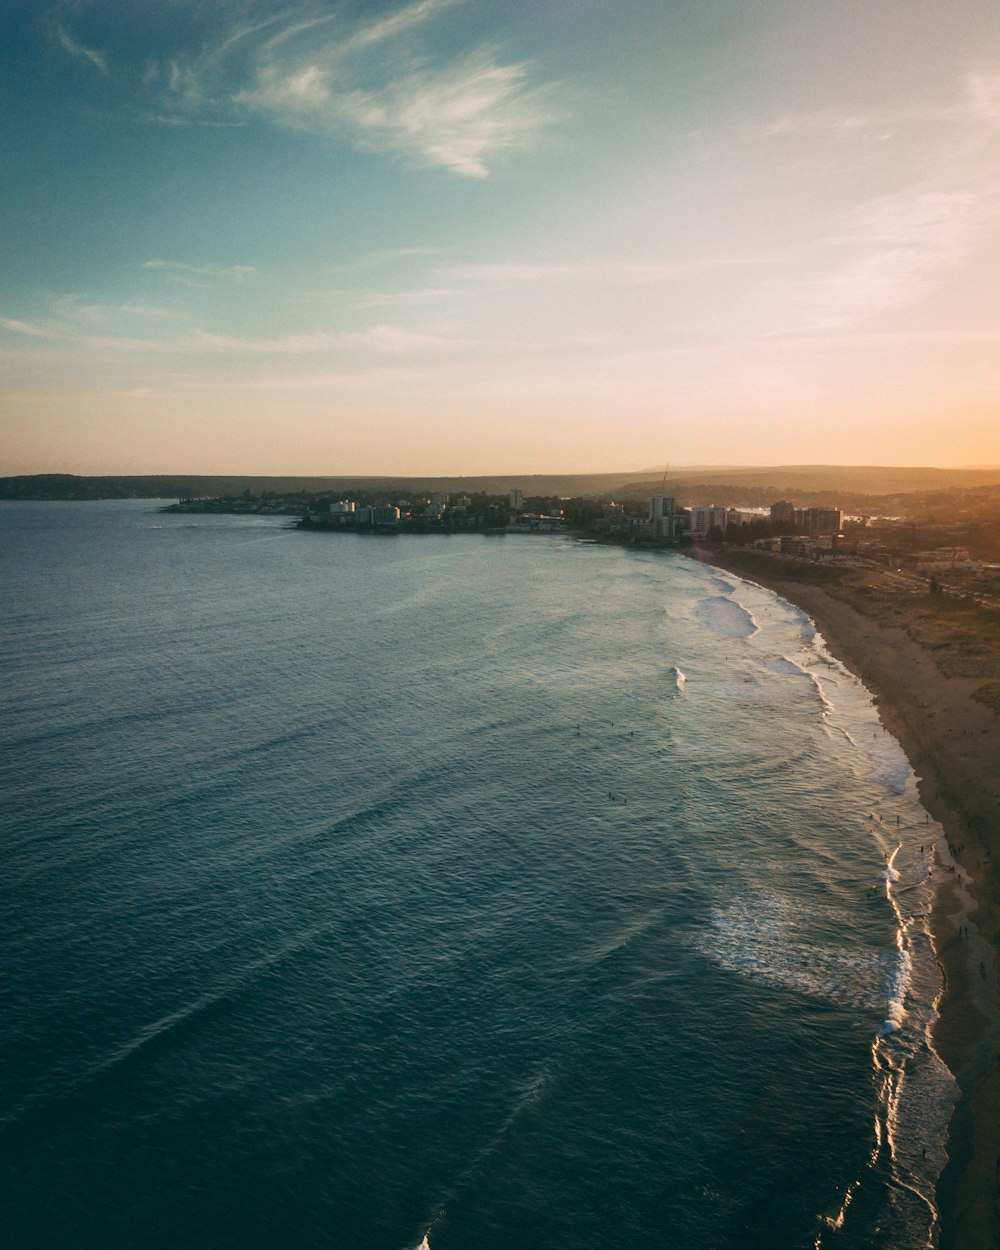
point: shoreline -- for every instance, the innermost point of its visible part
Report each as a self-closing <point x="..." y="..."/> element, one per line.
<point x="950" y="740"/>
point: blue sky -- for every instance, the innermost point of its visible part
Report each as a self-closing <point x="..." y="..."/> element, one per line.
<point x="455" y="237"/>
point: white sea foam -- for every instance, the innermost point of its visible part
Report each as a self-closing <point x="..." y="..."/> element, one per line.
<point x="849" y="709"/>
<point x="784" y="664"/>
<point x="727" y="588"/>
<point x="762" y="937"/>
<point x="917" y="1093"/>
<point x="828" y="704"/>
<point x="727" y="617"/>
<point x="897" y="988"/>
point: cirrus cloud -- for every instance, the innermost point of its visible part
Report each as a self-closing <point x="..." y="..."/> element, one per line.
<point x="372" y="86"/>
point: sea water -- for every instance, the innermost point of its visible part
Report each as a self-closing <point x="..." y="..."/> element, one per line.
<point x="507" y="892"/>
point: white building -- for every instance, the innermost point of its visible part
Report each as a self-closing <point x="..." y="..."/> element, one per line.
<point x="516" y="500"/>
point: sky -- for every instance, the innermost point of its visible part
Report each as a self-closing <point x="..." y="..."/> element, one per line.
<point x="538" y="236"/>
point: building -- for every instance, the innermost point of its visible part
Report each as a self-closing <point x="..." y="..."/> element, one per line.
<point x="516" y="500"/>
<point x="783" y="512"/>
<point x="804" y="548"/>
<point x="706" y="517"/>
<point x="551" y="525"/>
<point x="813" y="521"/>
<point x="665" y="521"/>
<point x="816" y="521"/>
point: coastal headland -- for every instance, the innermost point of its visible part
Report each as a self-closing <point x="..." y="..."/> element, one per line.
<point x="933" y="666"/>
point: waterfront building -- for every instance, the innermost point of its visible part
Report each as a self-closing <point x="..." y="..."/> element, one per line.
<point x="706" y="517"/>
<point x="516" y="500"/>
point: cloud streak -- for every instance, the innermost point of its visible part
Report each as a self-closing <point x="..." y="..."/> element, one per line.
<point x="95" y="57"/>
<point x="74" y="321"/>
<point x="29" y="328"/>
<point x="610" y="273"/>
<point x="377" y="87"/>
<point x="207" y="271"/>
<point x="892" y="246"/>
<point x="390" y="340"/>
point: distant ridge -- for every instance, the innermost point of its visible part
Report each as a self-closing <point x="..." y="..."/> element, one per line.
<point x="860" y="479"/>
<point x="779" y="479"/>
<point x="165" y="486"/>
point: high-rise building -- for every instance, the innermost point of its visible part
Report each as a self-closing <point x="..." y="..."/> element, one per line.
<point x="814" y="521"/>
<point x="516" y="500"/>
<point x="706" y="517"/>
<point x="783" y="512"/>
<point x="663" y="518"/>
<point x="822" y="520"/>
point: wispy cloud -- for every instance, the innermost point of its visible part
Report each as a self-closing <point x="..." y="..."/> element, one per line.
<point x="968" y="116"/>
<point x="67" y="333"/>
<point x="207" y="271"/>
<point x="376" y="86"/>
<point x="982" y="96"/>
<point x="503" y="272"/>
<point x="893" y="249"/>
<point x="33" y="330"/>
<point x="396" y="299"/>
<point x="884" y="254"/>
<point x="384" y="339"/>
<point x="456" y="116"/>
<point x="359" y="381"/>
<point x="878" y="124"/>
<point x="612" y="273"/>
<point x="74" y="320"/>
<point x="79" y="311"/>
<point x="93" y="55"/>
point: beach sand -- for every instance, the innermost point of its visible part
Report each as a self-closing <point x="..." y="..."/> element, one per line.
<point x="924" y="661"/>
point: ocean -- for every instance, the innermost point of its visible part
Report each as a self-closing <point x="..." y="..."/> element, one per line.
<point x="503" y="891"/>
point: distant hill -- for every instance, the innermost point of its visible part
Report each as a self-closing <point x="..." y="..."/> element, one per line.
<point x="853" y="479"/>
<point x="724" y="485"/>
<point x="173" y="486"/>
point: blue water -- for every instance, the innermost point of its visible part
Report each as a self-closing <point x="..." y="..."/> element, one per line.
<point x="514" y="892"/>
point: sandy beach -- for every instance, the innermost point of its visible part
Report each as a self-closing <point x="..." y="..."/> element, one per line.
<point x="933" y="673"/>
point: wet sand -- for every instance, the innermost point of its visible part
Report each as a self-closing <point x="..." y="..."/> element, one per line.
<point x="923" y="673"/>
